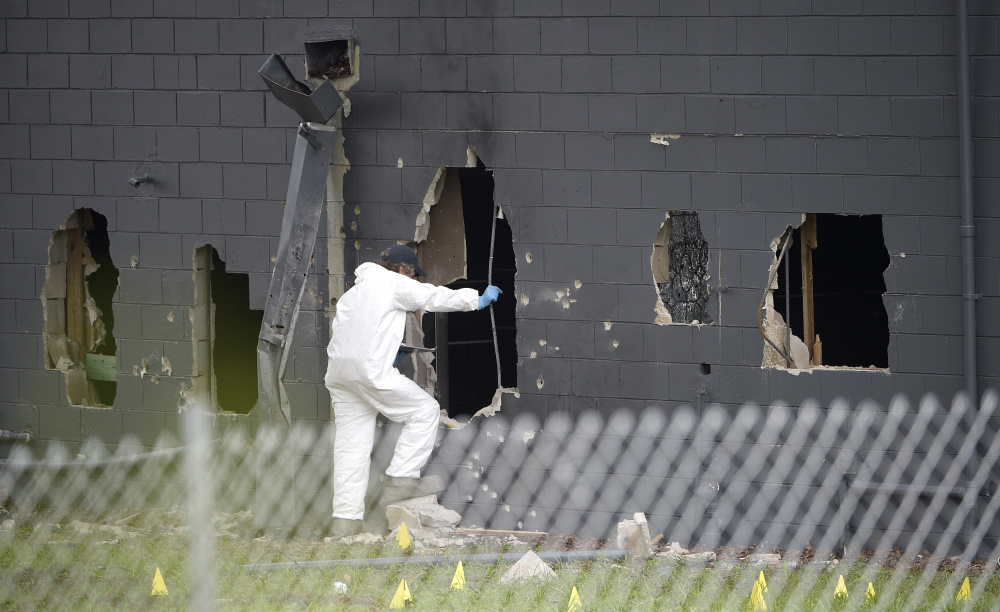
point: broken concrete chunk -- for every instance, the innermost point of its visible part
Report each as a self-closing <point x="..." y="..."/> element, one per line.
<point x="528" y="567"/>
<point x="674" y="548"/>
<point x="764" y="559"/>
<point x="640" y="519"/>
<point x="401" y="513"/>
<point x="702" y="557"/>
<point x="361" y="538"/>
<point x="422" y="513"/>
<point x="633" y="534"/>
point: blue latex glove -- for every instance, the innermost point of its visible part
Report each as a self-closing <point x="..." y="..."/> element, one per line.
<point x="400" y="354"/>
<point x="489" y="296"/>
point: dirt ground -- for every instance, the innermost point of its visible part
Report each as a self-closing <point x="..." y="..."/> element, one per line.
<point x="240" y="526"/>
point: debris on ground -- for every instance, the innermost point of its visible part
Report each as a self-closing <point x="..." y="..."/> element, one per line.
<point x="770" y="559"/>
<point x="633" y="534"/>
<point x="433" y="534"/>
<point x="529" y="566"/>
<point x="423" y="514"/>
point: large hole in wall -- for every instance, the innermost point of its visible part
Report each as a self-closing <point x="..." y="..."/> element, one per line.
<point x="225" y="331"/>
<point x="80" y="283"/>
<point x="680" y="270"/>
<point x="328" y="58"/>
<point x="456" y="252"/>
<point x="832" y="298"/>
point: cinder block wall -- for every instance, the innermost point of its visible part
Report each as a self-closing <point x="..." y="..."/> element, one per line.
<point x="781" y="108"/>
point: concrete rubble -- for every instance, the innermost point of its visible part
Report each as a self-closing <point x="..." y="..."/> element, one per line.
<point x="528" y="567"/>
<point x="633" y="534"/>
<point x="361" y="538"/>
<point x="702" y="557"/>
<point x="428" y="522"/>
<point x="422" y="513"/>
<point x="674" y="550"/>
<point x="770" y="559"/>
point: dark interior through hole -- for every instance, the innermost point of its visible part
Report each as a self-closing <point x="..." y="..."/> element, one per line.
<point x="328" y="58"/>
<point x="102" y="284"/>
<point x="472" y="367"/>
<point x="234" y="354"/>
<point x="848" y="285"/>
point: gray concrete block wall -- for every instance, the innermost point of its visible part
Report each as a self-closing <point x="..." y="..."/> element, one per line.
<point x="779" y="110"/>
<point x="91" y="100"/>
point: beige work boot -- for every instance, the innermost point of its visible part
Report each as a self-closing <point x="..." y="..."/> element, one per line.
<point x="342" y="528"/>
<point x="396" y="489"/>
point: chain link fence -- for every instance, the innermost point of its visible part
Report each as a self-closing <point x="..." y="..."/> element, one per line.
<point x="807" y="507"/>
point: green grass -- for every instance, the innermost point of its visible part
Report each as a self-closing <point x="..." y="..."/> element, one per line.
<point x="52" y="566"/>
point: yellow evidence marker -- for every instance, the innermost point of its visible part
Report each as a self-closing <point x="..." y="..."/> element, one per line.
<point x="159" y="587"/>
<point x="458" y="580"/>
<point x="402" y="597"/>
<point x="757" y="597"/>
<point x="965" y="591"/>
<point x="870" y="595"/>
<point x="574" y="601"/>
<point x="762" y="582"/>
<point x="403" y="537"/>
<point x="841" y="590"/>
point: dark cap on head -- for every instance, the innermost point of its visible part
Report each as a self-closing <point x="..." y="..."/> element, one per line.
<point x="399" y="253"/>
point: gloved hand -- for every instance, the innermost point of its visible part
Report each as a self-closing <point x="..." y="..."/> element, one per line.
<point x="400" y="354"/>
<point x="489" y="296"/>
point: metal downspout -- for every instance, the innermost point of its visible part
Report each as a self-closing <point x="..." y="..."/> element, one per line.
<point x="968" y="222"/>
<point x="968" y="233"/>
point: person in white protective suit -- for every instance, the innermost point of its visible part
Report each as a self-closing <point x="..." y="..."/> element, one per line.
<point x="362" y="379"/>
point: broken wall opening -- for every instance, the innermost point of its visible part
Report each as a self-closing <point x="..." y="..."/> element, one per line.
<point x="457" y="252"/>
<point x="328" y="58"/>
<point x="680" y="270"/>
<point x="224" y="331"/>
<point x="834" y="265"/>
<point x="80" y="283"/>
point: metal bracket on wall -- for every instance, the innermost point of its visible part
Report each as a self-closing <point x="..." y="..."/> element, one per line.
<point x="316" y="106"/>
<point x="305" y="133"/>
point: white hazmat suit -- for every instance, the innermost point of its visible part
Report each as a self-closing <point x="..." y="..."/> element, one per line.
<point x="364" y="339"/>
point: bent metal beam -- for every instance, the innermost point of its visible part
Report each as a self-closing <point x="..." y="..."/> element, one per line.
<point x="314" y="145"/>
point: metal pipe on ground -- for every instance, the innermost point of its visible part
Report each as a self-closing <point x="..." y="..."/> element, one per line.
<point x="611" y="554"/>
